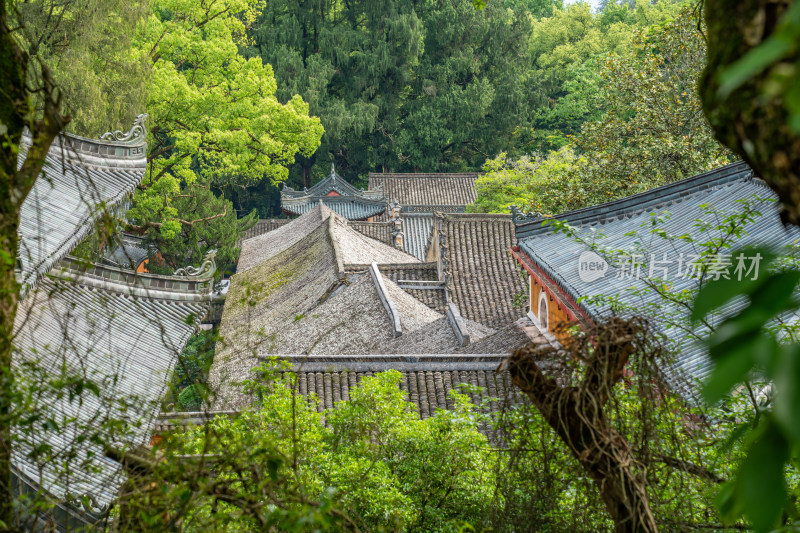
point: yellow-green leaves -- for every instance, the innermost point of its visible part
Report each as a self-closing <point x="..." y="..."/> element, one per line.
<point x="214" y="119"/>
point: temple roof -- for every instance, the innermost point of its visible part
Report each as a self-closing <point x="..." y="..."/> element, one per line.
<point x="417" y="229"/>
<point x="81" y="322"/>
<point x="339" y="196"/>
<point x="129" y="252"/>
<point x="79" y="177"/>
<point x="426" y="193"/>
<point x="481" y="276"/>
<point x="121" y="330"/>
<point x="427" y="377"/>
<point x="316" y="286"/>
<point x="354" y="247"/>
<point x="264" y="225"/>
<point x="622" y="222"/>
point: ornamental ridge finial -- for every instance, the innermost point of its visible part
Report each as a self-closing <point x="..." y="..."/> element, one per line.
<point x="206" y="270"/>
<point x="136" y="132"/>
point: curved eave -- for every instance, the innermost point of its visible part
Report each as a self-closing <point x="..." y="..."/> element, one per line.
<point x="92" y="152"/>
<point x="348" y="208"/>
<point x="123" y="281"/>
<point x="658" y="198"/>
<point x="555" y="286"/>
<point x="292" y="196"/>
<point x="80" y="177"/>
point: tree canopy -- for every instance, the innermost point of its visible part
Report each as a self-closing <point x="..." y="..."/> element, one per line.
<point x="651" y="130"/>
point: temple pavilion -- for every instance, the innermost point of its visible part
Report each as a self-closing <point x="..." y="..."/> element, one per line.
<point x="83" y="322"/>
<point x="340" y="197"/>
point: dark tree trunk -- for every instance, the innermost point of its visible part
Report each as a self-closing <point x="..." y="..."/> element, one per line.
<point x="750" y="121"/>
<point x="577" y="415"/>
<point x="16" y="110"/>
<point x="12" y="78"/>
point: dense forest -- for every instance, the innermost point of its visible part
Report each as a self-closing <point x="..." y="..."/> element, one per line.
<point x="554" y="102"/>
<point x="561" y="107"/>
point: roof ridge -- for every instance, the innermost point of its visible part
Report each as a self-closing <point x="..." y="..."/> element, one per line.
<point x="445" y="272"/>
<point x="652" y="199"/>
<point x="418" y="174"/>
<point x="386" y="300"/>
<point x="337" y="251"/>
<point x="117" y="147"/>
<point x="128" y="283"/>
<point x="477" y="216"/>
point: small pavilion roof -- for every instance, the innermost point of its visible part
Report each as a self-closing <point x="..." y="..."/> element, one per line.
<point x="339" y="196"/>
<point x="129" y="252"/>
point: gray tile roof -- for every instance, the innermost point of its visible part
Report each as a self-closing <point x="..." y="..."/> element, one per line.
<point x="427" y="377"/>
<point x="264" y="225"/>
<point x="356" y="248"/>
<point x="348" y="316"/>
<point x="380" y="231"/>
<point x="348" y="208"/>
<point x="405" y="275"/>
<point x="103" y="323"/>
<point x="266" y="297"/>
<point x="417" y="229"/>
<point x="557" y="254"/>
<point x="129" y="252"/>
<point x="109" y="325"/>
<point x="316" y="291"/>
<point x="353" y="246"/>
<point x="78" y="176"/>
<point x="340" y="196"/>
<point x="415" y="191"/>
<point x="267" y="245"/>
<point x="481" y="276"/>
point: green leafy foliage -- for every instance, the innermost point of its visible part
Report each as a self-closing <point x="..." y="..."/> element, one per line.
<point x="191" y="371"/>
<point x="401" y="85"/>
<point x="748" y="343"/>
<point x="372" y="462"/>
<point x="103" y="80"/>
<point x="215" y="124"/>
<point x="773" y="54"/>
<point x="221" y="233"/>
<point x="651" y="130"/>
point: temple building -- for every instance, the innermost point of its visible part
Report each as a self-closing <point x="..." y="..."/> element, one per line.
<point x="339" y="305"/>
<point x="341" y="197"/>
<point x="409" y="203"/>
<point x="427" y="193"/>
<point x="565" y="271"/>
<point x="101" y="325"/>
